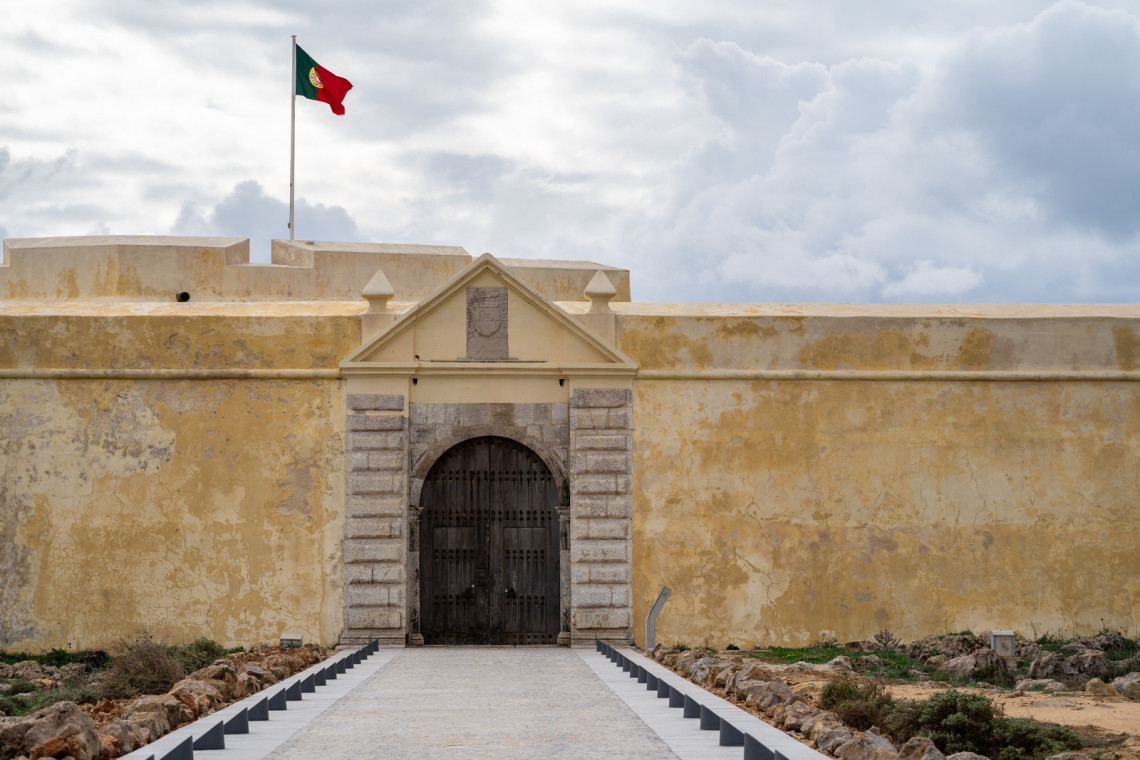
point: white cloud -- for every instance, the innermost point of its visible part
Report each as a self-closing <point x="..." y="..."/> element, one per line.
<point x="722" y="151"/>
<point x="249" y="212"/>
<point x="927" y="279"/>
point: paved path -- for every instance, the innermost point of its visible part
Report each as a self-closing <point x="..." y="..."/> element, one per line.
<point x="475" y="703"/>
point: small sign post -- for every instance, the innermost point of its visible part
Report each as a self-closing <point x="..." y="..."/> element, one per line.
<point x="651" y="618"/>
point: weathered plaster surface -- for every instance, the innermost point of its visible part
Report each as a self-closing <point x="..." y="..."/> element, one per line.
<point x="786" y="511"/>
<point x="188" y="508"/>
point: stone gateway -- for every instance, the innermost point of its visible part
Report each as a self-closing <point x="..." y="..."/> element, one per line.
<point x="409" y="443"/>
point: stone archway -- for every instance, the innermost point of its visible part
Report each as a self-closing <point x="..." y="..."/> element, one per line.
<point x="489" y="546"/>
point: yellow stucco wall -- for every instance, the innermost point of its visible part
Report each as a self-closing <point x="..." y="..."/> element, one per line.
<point x="783" y="506"/>
<point x="138" y="495"/>
<point x="800" y="471"/>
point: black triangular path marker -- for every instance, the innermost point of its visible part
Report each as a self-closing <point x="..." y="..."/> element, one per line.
<point x="754" y="750"/>
<point x="277" y="701"/>
<point x="730" y="735"/>
<point x="239" y="724"/>
<point x="309" y="684"/>
<point x="339" y="665"/>
<point x="349" y="662"/>
<point x="293" y="693"/>
<point x="260" y="711"/>
<point x="319" y="676"/>
<point x="184" y="751"/>
<point x="213" y="739"/>
<point x="330" y="673"/>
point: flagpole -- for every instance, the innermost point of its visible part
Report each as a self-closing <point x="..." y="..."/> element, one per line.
<point x="292" y="131"/>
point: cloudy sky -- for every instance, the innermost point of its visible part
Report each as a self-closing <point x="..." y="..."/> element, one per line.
<point x="723" y="150"/>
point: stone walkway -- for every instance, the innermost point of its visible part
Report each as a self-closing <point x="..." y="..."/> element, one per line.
<point x="476" y="703"/>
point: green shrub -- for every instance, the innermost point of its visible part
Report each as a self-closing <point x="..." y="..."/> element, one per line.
<point x="858" y="705"/>
<point x="199" y="653"/>
<point x="1018" y="738"/>
<point x="73" y="691"/>
<point x="958" y="722"/>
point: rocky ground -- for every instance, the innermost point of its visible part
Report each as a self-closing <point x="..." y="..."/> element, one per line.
<point x="1091" y="684"/>
<point x="107" y="728"/>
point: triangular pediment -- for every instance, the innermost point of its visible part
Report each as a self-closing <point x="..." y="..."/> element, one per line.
<point x="486" y="319"/>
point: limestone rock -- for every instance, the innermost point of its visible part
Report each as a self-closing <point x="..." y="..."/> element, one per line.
<point x="749" y="672"/>
<point x="868" y="745"/>
<point x="1099" y="688"/>
<point x="829" y="737"/>
<point x="120" y="732"/>
<point x="842" y="662"/>
<point x="920" y="748"/>
<point x="699" y="671"/>
<point x="261" y="674"/>
<point x="201" y="697"/>
<point x="166" y="706"/>
<point x="765" y="694"/>
<point x="870" y="662"/>
<point x="1066" y="756"/>
<point x="723" y="676"/>
<point x="28" y="669"/>
<point x="808" y="689"/>
<point x="686" y="660"/>
<point x="1128" y="685"/>
<point x="794" y="714"/>
<point x="62" y="728"/>
<point x="1040" y="684"/>
<point x="966" y="756"/>
<point x="967" y="665"/>
<point x="1078" y="667"/>
<point x="815" y="725"/>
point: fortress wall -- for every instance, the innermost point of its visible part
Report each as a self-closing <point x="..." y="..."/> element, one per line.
<point x="847" y="469"/>
<point x="135" y="493"/>
<point x="156" y="268"/>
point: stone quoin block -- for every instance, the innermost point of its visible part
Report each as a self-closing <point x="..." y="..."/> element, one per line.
<point x="595" y="398"/>
<point x="372" y="527"/>
<point x="588" y="419"/>
<point x="370" y="422"/>
<point x="366" y="595"/>
<point x="591" y="596"/>
<point x="373" y="550"/>
<point x="618" y="572"/>
<point x="593" y="619"/>
<point x="358" y="461"/>
<point x="603" y="441"/>
<point x="608" y="463"/>
<point x="374" y="505"/>
<point x="598" y="551"/>
<point x="607" y="528"/>
<point x="375" y="482"/>
<point x="382" y="402"/>
<point x="388" y="572"/>
<point x="593" y="484"/>
<point x="363" y="441"/>
<point x="619" y="419"/>
<point x="395" y="461"/>
<point x="358" y="573"/>
<point x="374" y="617"/>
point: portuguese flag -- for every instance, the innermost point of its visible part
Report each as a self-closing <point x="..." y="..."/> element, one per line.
<point x="315" y="82"/>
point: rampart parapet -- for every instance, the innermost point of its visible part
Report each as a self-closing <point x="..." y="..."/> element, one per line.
<point x="157" y="268"/>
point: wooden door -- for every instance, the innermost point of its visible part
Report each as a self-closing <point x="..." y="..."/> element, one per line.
<point x="489" y="547"/>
